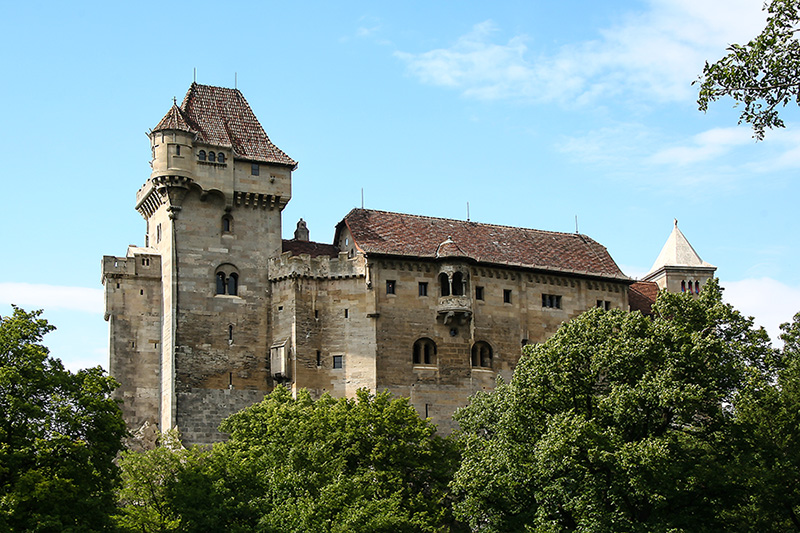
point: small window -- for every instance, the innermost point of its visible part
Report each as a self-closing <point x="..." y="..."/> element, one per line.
<point x="390" y="286"/>
<point x="220" y="157"/>
<point x="212" y="157"/>
<point x="233" y="284"/>
<point x="338" y="361"/>
<point x="424" y="352"/>
<point x="423" y="288"/>
<point x="319" y="358"/>
<point x="177" y="149"/>
<point x="227" y="224"/>
<point x="158" y="233"/>
<point x="316" y="313"/>
<point x="458" y="284"/>
<point x="506" y="296"/>
<point x="479" y="293"/>
<point x="220" y="283"/>
<point x="551" y="301"/>
<point x="347" y="313"/>
<point x="254" y="169"/>
<point x="697" y="287"/>
<point x="604" y="304"/>
<point x="201" y="155"/>
<point x="230" y="334"/>
<point x="482" y="355"/>
<point x="444" y="284"/>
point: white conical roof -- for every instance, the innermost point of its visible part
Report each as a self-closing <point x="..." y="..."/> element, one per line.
<point x="678" y="252"/>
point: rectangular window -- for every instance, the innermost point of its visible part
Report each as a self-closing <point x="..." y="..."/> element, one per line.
<point x="338" y="361"/>
<point x="158" y="233"/>
<point x="423" y="288"/>
<point x="319" y="358"/>
<point x="506" y="296"/>
<point x="390" y="286"/>
<point x="254" y="169"/>
<point x="552" y="301"/>
<point x="479" y="293"/>
<point x="177" y="149"/>
<point x="604" y="304"/>
<point x="347" y="313"/>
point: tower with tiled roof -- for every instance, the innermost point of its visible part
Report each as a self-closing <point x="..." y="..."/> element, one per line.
<point x="678" y="268"/>
<point x="212" y="206"/>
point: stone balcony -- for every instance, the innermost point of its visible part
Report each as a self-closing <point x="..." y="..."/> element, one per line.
<point x="455" y="309"/>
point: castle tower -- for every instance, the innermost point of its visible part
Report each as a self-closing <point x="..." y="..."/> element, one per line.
<point x="212" y="206"/>
<point x="678" y="267"/>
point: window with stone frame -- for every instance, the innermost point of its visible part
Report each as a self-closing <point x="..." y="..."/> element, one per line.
<point x="424" y="352"/>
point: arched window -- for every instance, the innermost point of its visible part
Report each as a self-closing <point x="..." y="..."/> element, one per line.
<point x="697" y="287"/>
<point x="227" y="280"/>
<point x="220" y="157"/>
<point x="444" y="283"/>
<point x="212" y="157"/>
<point x="683" y="286"/>
<point x="424" y="352"/>
<point x="691" y="287"/>
<point x="482" y="355"/>
<point x="201" y="155"/>
<point x="233" y="284"/>
<point x="227" y="224"/>
<point x="458" y="284"/>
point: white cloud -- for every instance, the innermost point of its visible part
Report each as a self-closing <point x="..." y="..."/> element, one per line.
<point x="770" y="302"/>
<point x="704" y="146"/>
<point x="656" y="53"/>
<point x="51" y="297"/>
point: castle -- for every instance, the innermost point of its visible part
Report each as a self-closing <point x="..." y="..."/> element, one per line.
<point x="216" y="308"/>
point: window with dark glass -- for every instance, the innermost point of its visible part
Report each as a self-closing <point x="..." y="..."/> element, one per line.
<point x="390" y="286"/>
<point x="444" y="284"/>
<point x="506" y="296"/>
<point x="423" y="288"/>
<point x="254" y="169"/>
<point x="424" y="352"/>
<point x="338" y="361"/>
<point x="201" y="155"/>
<point x="220" y="157"/>
<point x="479" y="293"/>
<point x="482" y="355"/>
<point x="551" y="301"/>
<point x="212" y="157"/>
<point x="458" y="284"/>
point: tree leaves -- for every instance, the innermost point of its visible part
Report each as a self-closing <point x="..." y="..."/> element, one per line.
<point x="763" y="75"/>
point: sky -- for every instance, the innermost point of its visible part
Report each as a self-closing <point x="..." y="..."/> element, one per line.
<point x="528" y="113"/>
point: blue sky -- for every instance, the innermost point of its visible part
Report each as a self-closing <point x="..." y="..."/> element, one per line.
<point x="532" y="112"/>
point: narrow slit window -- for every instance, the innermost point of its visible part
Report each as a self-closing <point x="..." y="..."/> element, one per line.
<point x="423" y="288"/>
<point x="506" y="296"/>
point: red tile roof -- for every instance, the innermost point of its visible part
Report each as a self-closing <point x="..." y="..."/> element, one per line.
<point x="223" y="117"/>
<point x="174" y="120"/>
<point x="642" y="296"/>
<point x="314" y="249"/>
<point x="384" y="233"/>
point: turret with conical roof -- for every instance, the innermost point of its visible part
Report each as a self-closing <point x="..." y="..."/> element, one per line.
<point x="678" y="267"/>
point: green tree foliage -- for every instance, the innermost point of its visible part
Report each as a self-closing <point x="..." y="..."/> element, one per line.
<point x="763" y="75"/>
<point x="362" y="464"/>
<point x="147" y="478"/>
<point x="59" y="433"/>
<point x="616" y="423"/>
<point x="768" y="465"/>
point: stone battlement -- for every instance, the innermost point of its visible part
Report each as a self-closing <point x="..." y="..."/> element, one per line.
<point x="320" y="267"/>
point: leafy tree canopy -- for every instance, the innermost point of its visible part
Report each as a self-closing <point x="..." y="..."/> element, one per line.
<point x="763" y="75"/>
<point x="617" y="423"/>
<point x="59" y="433"/>
<point x="361" y="464"/>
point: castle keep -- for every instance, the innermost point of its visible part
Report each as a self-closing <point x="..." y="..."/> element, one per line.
<point x="216" y="308"/>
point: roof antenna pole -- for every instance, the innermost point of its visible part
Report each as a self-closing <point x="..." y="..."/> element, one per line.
<point x="194" y="75"/>
<point x="467" y="211"/>
<point x="576" y="224"/>
<point x="362" y="197"/>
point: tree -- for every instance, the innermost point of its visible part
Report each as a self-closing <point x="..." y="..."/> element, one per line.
<point x="59" y="434"/>
<point x="763" y="74"/>
<point x="616" y="423"/>
<point x="147" y="478"/>
<point x="362" y="464"/>
<point x="768" y="427"/>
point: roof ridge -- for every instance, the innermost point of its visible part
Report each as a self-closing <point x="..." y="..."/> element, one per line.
<point x="469" y="222"/>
